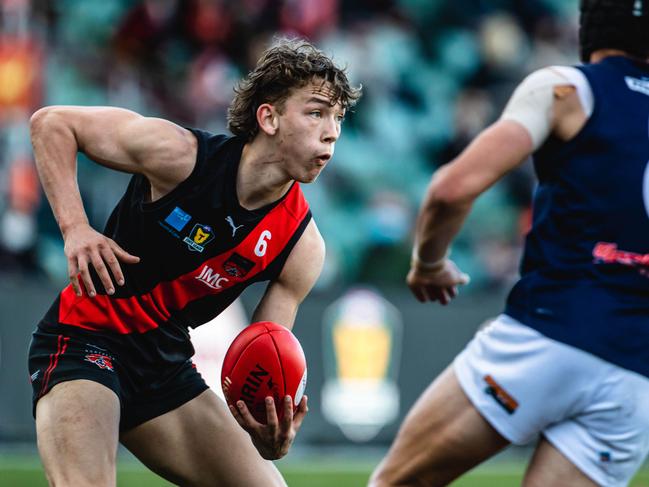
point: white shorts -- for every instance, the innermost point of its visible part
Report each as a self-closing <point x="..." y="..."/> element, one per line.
<point x="523" y="383"/>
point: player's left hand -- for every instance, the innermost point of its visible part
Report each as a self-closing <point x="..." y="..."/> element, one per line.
<point x="273" y="439"/>
<point x="439" y="283"/>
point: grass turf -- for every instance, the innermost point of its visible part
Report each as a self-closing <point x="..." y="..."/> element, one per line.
<point x="21" y="473"/>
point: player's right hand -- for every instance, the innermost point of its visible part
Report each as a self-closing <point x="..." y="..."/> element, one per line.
<point x="85" y="246"/>
<point x="274" y="438"/>
<point x="439" y="284"/>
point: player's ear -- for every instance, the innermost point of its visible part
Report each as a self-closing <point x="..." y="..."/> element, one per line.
<point x="267" y="118"/>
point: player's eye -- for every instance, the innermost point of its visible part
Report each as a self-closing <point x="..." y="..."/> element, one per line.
<point x="316" y="113"/>
<point x="340" y="118"/>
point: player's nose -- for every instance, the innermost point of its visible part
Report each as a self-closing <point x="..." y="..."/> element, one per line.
<point x="331" y="131"/>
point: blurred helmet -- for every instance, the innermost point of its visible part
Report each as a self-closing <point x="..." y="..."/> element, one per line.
<point x="614" y="24"/>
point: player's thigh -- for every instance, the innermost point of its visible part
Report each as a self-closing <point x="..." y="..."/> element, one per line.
<point x="442" y="437"/>
<point x="549" y="466"/>
<point x="77" y="427"/>
<point x="608" y="437"/>
<point x="199" y="444"/>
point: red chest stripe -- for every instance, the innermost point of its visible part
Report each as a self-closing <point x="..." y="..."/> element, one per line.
<point x="138" y="314"/>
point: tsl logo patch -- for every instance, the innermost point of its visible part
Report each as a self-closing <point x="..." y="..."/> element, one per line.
<point x="101" y="361"/>
<point x="199" y="237"/>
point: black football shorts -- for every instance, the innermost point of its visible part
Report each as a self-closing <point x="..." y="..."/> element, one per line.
<point x="147" y="382"/>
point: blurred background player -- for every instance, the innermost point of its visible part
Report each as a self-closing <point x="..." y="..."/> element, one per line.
<point x="568" y="358"/>
<point x="203" y="217"/>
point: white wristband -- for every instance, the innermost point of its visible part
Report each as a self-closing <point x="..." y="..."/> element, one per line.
<point x="427" y="266"/>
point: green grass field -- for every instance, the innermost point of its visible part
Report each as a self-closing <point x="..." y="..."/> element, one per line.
<point x="26" y="472"/>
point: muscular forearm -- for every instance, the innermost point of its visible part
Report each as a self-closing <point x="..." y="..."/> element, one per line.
<point x="276" y="306"/>
<point x="456" y="185"/>
<point x="301" y="270"/>
<point x="55" y="153"/>
<point x="438" y="223"/>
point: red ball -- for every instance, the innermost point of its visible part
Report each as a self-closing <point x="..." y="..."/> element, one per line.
<point x="265" y="359"/>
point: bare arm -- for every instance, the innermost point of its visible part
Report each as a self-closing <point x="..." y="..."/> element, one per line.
<point x="543" y="104"/>
<point x="300" y="272"/>
<point x="279" y="305"/>
<point x="118" y="139"/>
<point x="450" y="196"/>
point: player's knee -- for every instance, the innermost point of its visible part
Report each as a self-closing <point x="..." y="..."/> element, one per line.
<point x="218" y="480"/>
<point x="375" y="480"/>
<point x="392" y="475"/>
<point x="208" y="478"/>
<point x="384" y="477"/>
<point x="71" y="477"/>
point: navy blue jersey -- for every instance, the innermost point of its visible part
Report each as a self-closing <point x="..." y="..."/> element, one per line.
<point x="585" y="269"/>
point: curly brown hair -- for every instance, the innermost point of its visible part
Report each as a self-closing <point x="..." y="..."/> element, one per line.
<point x="287" y="65"/>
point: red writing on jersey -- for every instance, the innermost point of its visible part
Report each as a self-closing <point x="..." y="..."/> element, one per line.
<point x="607" y="253"/>
<point x="138" y="314"/>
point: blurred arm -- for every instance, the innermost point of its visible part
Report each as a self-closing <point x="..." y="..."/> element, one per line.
<point x="300" y="272"/>
<point x="450" y="195"/>
<point x="555" y="100"/>
<point x="455" y="186"/>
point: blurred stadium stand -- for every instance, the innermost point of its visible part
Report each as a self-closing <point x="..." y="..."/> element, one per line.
<point x="434" y="73"/>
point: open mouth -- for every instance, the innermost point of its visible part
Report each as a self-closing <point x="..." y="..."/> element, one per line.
<point x="322" y="159"/>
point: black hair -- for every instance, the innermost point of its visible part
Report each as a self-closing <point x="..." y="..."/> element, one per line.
<point x="614" y="24"/>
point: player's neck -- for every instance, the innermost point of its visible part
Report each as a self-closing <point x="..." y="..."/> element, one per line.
<point x="261" y="179"/>
<point x="601" y="54"/>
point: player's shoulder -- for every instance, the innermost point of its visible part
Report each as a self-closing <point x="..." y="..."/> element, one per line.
<point x="313" y="238"/>
<point x="210" y="142"/>
<point x="553" y="76"/>
<point x="311" y="245"/>
<point x="216" y="152"/>
<point x="305" y="261"/>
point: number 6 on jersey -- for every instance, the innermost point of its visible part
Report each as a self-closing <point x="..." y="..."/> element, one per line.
<point x="262" y="243"/>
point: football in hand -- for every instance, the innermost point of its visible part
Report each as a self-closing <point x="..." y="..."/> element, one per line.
<point x="265" y="359"/>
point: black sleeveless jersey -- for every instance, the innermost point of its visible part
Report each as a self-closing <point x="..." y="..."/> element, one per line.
<point x="198" y="248"/>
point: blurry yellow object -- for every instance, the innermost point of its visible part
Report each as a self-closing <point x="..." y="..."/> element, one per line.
<point x="363" y="350"/>
<point x="15" y="79"/>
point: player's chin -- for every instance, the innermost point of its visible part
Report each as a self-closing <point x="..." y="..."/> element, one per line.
<point x="310" y="176"/>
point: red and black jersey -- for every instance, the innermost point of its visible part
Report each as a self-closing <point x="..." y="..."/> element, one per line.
<point x="198" y="248"/>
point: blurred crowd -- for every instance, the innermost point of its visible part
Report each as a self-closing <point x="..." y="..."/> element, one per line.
<point x="434" y="73"/>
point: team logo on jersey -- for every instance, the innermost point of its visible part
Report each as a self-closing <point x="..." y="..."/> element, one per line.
<point x="199" y="237"/>
<point x="178" y="219"/>
<point x="34" y="376"/>
<point x="637" y="84"/>
<point x="231" y="223"/>
<point x="501" y="396"/>
<point x="100" y="360"/>
<point x="237" y="265"/>
<point x="210" y="278"/>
